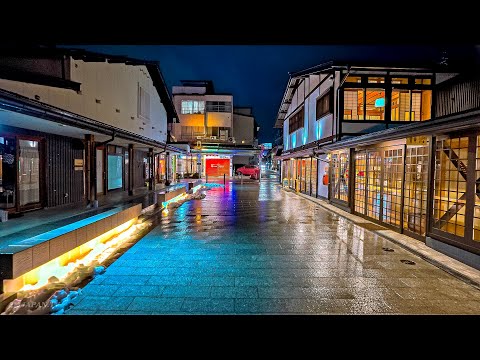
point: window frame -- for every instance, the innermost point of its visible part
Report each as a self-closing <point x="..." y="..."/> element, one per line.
<point x="190" y="109"/>
<point x="296" y="120"/>
<point x="325" y="100"/>
<point x="388" y="87"/>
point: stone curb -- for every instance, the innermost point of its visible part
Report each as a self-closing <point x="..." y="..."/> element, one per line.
<point x="454" y="267"/>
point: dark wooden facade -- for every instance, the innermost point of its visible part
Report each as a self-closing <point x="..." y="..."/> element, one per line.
<point x="64" y="184"/>
<point x="60" y="183"/>
<point x="139" y="176"/>
<point x="457" y="95"/>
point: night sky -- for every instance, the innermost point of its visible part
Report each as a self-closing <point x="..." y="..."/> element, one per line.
<point x="257" y="75"/>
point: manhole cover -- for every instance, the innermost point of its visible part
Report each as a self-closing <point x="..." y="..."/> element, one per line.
<point x="408" y="262"/>
<point x="388" y="249"/>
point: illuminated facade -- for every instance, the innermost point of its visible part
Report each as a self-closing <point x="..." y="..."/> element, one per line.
<point x="221" y="137"/>
<point x="401" y="148"/>
<point x="77" y="125"/>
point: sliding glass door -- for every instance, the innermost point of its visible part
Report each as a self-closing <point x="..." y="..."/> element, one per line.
<point x="28" y="173"/>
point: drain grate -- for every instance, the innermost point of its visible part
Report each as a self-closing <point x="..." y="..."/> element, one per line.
<point x="408" y="262"/>
<point x="387" y="249"/>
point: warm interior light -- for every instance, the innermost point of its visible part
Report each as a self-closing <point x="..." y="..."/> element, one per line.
<point x="96" y="250"/>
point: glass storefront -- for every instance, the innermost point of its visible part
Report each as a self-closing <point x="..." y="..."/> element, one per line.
<point x="415" y="189"/>
<point x="115" y="167"/>
<point x="476" y="210"/>
<point x="293" y="174"/>
<point x="8" y="174"/>
<point x="339" y="181"/>
<point x="360" y="181"/>
<point x="450" y="199"/>
<point x="378" y="184"/>
<point x="374" y="169"/>
<point x="314" y="175"/>
<point x="115" y="173"/>
<point x="28" y="172"/>
<point x="308" y="169"/>
<point x="301" y="175"/>
<point x="20" y="177"/>
<point x="188" y="167"/>
<point x="392" y="186"/>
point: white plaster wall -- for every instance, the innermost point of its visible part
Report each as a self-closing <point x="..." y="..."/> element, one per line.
<point x="300" y="92"/>
<point x="322" y="170"/>
<point x="115" y="85"/>
<point x="307" y="85"/>
<point x="312" y="127"/>
<point x="314" y="80"/>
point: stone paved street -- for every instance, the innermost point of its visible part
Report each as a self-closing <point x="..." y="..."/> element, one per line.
<point x="256" y="249"/>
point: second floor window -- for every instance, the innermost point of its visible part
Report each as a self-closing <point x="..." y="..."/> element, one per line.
<point x="296" y="121"/>
<point x="143" y="103"/>
<point x="402" y="99"/>
<point x="325" y="104"/>
<point x="219" y="106"/>
<point x="193" y="107"/>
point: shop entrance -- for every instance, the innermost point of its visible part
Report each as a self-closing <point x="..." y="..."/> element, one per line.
<point x="378" y="185"/>
<point x="21" y="173"/>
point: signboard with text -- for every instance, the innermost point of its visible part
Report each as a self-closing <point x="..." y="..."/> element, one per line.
<point x="217" y="167"/>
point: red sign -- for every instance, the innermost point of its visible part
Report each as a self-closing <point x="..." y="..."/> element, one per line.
<point x="217" y="167"/>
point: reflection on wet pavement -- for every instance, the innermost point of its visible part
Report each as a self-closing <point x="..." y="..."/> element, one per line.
<point x="253" y="248"/>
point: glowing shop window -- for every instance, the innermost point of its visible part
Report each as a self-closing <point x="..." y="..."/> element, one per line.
<point x="115" y="174"/>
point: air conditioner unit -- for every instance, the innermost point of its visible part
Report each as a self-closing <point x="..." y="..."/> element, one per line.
<point x="231" y="139"/>
<point x="213" y="137"/>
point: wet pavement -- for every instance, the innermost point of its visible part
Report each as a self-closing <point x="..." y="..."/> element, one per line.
<point x="256" y="249"/>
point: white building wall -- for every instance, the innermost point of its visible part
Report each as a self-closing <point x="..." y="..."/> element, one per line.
<point x="314" y="80"/>
<point x="322" y="170"/>
<point x="313" y="129"/>
<point x="115" y="86"/>
<point x="243" y="129"/>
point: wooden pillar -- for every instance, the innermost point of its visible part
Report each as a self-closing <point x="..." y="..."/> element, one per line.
<point x="167" y="168"/>
<point x="351" y="179"/>
<point x="151" y="179"/>
<point x="91" y="173"/>
<point x="131" y="162"/>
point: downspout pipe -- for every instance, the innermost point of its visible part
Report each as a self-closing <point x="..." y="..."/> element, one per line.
<point x="105" y="142"/>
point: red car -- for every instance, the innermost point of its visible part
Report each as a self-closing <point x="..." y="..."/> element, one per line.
<point x="249" y="170"/>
